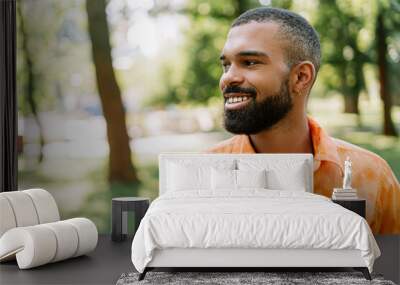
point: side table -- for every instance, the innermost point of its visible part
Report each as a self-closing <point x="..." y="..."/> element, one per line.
<point x="355" y="205"/>
<point x="120" y="208"/>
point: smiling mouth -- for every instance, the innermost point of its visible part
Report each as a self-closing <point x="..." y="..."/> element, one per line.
<point x="237" y="102"/>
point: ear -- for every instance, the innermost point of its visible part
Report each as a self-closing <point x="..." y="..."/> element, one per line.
<point x="302" y="77"/>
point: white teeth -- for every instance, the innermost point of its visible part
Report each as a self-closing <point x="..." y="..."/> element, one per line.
<point x="237" y="99"/>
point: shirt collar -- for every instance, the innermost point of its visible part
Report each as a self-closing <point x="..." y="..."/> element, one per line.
<point x="324" y="148"/>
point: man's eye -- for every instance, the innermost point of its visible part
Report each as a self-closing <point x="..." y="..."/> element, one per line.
<point x="250" y="62"/>
<point x="225" y="66"/>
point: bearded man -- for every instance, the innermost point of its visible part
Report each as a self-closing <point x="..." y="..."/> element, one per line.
<point x="270" y="62"/>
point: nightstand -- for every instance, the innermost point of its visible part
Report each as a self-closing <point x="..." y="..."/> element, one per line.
<point x="355" y="205"/>
<point x="120" y="208"/>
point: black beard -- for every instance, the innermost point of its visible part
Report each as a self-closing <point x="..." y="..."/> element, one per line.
<point x="259" y="116"/>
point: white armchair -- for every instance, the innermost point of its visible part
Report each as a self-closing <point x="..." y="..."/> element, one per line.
<point x="31" y="230"/>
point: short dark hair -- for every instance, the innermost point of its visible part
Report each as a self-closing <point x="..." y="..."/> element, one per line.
<point x="301" y="38"/>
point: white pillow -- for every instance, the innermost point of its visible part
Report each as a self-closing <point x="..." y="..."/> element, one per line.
<point x="282" y="174"/>
<point x="223" y="179"/>
<point x="187" y="177"/>
<point x="251" y="178"/>
<point x="236" y="179"/>
<point x="293" y="180"/>
<point x="188" y="174"/>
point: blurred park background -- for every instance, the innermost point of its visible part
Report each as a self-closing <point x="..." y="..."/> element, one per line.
<point x="104" y="86"/>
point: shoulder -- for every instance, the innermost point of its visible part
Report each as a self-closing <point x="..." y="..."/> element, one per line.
<point x="344" y="147"/>
<point x="362" y="158"/>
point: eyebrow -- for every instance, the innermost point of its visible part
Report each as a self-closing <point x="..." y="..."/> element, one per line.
<point x="247" y="53"/>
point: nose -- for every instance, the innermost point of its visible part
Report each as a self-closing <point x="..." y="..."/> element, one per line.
<point x="232" y="76"/>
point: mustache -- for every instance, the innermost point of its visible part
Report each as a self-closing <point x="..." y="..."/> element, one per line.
<point x="238" y="89"/>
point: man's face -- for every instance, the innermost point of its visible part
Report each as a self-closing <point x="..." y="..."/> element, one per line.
<point x="255" y="79"/>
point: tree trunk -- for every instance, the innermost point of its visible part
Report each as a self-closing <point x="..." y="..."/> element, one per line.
<point x="351" y="104"/>
<point x="31" y="84"/>
<point x="388" y="126"/>
<point x="350" y="99"/>
<point x="121" y="168"/>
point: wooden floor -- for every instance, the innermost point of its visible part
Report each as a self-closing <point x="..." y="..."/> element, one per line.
<point x="102" y="266"/>
<point x="110" y="259"/>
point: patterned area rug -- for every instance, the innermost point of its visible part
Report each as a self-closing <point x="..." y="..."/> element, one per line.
<point x="230" y="278"/>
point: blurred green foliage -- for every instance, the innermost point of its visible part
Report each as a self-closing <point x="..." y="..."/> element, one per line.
<point x="348" y="39"/>
<point x="344" y="50"/>
<point x="347" y="30"/>
<point x="57" y="45"/>
<point x="205" y="38"/>
<point x="60" y="47"/>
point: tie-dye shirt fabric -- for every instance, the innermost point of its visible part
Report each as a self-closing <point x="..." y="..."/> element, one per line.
<point x="371" y="175"/>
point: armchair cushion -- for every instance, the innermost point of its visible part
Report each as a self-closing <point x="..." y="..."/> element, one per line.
<point x="27" y="208"/>
<point x="40" y="244"/>
<point x="31" y="232"/>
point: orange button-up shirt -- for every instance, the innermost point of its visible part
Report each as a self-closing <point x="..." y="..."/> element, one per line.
<point x="371" y="175"/>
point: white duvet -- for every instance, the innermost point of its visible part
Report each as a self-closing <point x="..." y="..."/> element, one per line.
<point x="253" y="218"/>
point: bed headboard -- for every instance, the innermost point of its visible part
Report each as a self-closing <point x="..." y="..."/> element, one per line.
<point x="210" y="159"/>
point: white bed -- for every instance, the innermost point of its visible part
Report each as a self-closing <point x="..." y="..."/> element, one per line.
<point x="231" y="210"/>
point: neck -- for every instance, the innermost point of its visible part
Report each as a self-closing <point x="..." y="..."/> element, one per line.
<point x="290" y="135"/>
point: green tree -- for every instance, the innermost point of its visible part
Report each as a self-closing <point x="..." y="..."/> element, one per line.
<point x="387" y="21"/>
<point x="342" y="26"/>
<point x="121" y="168"/>
<point x="339" y="29"/>
<point x="30" y="77"/>
<point x="210" y="22"/>
<point x="43" y="69"/>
